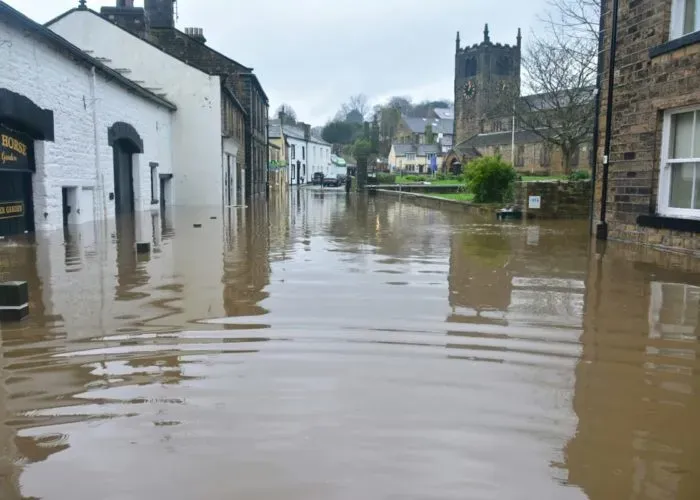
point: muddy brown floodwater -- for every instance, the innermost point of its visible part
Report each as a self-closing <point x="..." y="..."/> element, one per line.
<point x="338" y="349"/>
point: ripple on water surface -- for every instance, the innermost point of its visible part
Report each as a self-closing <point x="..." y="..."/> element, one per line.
<point x="334" y="348"/>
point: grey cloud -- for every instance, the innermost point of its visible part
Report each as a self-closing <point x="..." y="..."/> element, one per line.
<point x="313" y="54"/>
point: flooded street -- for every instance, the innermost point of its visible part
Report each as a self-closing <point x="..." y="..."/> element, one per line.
<point x="331" y="348"/>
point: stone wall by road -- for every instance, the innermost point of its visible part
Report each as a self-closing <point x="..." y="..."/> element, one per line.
<point x="558" y="200"/>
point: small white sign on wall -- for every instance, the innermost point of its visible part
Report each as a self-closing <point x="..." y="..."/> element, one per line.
<point x="534" y="202"/>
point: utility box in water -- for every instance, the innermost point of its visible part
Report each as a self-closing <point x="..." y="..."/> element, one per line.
<point x="14" y="301"/>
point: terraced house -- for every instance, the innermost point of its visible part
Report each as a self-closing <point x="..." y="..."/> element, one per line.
<point x="652" y="194"/>
<point x="242" y="103"/>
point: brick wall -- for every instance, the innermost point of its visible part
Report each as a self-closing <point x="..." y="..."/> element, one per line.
<point x="644" y="88"/>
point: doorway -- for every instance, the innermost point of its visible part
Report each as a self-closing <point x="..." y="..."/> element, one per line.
<point x="16" y="203"/>
<point x="123" y="177"/>
<point x="69" y="202"/>
<point x="165" y="184"/>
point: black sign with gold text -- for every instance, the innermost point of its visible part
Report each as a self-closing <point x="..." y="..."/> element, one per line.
<point x="16" y="150"/>
<point x="11" y="209"/>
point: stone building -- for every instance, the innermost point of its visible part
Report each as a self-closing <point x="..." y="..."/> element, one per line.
<point x="487" y="76"/>
<point x="653" y="194"/>
<point x="79" y="142"/>
<point x="155" y="24"/>
<point x="434" y="130"/>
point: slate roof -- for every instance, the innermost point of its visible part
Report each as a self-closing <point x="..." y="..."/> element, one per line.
<point x="275" y="131"/>
<point x="17" y="19"/>
<point x="418" y="149"/>
<point x="445" y="113"/>
<point x="417" y="125"/>
<point x="499" y="139"/>
<point x="293" y="131"/>
<point x="559" y="99"/>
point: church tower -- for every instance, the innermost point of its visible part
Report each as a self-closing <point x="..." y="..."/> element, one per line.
<point x="487" y="79"/>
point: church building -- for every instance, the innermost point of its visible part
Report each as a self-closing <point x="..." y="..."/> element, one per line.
<point x="487" y="76"/>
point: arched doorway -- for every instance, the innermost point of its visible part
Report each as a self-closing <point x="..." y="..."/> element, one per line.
<point x="126" y="143"/>
<point x="21" y="123"/>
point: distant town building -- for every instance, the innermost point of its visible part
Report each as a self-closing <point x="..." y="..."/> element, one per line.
<point x="653" y="192"/>
<point x="79" y="141"/>
<point x="305" y="153"/>
<point x="487" y="76"/>
<point x="435" y="130"/>
<point x="415" y="158"/>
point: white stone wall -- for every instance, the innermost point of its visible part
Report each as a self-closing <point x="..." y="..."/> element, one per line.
<point x="320" y="158"/>
<point x="197" y="145"/>
<point x="84" y="107"/>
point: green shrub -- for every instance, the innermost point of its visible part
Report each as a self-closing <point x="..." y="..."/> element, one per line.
<point x="579" y="175"/>
<point x="490" y="179"/>
<point x="384" y="178"/>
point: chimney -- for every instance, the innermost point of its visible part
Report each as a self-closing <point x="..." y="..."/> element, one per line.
<point x="160" y="13"/>
<point x="126" y="16"/>
<point x="307" y="131"/>
<point x="196" y="33"/>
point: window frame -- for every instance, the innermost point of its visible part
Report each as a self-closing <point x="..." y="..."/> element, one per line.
<point x="678" y="19"/>
<point x="664" y="193"/>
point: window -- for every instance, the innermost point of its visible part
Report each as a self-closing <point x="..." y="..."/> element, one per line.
<point x="520" y="155"/>
<point x="685" y="17"/>
<point x="154" y="183"/>
<point x="294" y="152"/>
<point x="679" y="180"/>
<point x="410" y="156"/>
<point x="303" y="153"/>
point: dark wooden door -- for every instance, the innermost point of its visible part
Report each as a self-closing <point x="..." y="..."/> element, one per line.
<point x="123" y="180"/>
<point x="16" y="209"/>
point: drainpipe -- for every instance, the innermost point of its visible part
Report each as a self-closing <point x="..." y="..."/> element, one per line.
<point x="596" y="123"/>
<point x="602" y="228"/>
<point x="99" y="176"/>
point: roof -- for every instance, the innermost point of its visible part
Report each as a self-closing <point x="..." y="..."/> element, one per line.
<point x="499" y="139"/>
<point x="293" y="132"/>
<point x="274" y="131"/>
<point x="19" y="20"/>
<point x="248" y="71"/>
<point x="417" y="149"/>
<point x="417" y="125"/>
<point x="445" y="113"/>
<point x="559" y="99"/>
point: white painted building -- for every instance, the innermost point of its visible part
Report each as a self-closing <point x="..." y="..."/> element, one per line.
<point x="306" y="153"/>
<point x="206" y="172"/>
<point x="80" y="142"/>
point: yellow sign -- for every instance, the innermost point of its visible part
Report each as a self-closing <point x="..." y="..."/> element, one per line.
<point x="14" y="144"/>
<point x="11" y="209"/>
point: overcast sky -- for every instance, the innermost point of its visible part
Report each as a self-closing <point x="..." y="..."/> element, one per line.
<point x="314" y="54"/>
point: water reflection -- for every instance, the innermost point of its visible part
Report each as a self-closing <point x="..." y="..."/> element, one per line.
<point x="326" y="346"/>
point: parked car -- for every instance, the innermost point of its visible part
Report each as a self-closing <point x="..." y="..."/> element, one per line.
<point x="331" y="182"/>
<point x="317" y="179"/>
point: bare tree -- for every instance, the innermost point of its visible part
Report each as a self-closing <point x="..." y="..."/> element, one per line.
<point x="356" y="107"/>
<point x="560" y="68"/>
<point x="287" y="114"/>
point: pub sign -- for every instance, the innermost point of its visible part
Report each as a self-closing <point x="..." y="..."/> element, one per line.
<point x="16" y="150"/>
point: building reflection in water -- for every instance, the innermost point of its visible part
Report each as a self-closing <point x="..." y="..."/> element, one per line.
<point x="636" y="394"/>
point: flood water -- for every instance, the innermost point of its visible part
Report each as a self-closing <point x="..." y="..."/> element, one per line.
<point x="335" y="348"/>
